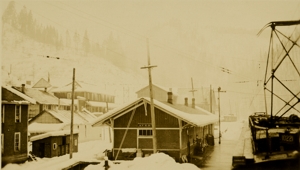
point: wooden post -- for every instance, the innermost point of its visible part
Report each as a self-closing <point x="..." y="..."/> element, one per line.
<point x="219" y="90"/>
<point x="72" y="112"/>
<point x="151" y="100"/>
<point x="210" y="99"/>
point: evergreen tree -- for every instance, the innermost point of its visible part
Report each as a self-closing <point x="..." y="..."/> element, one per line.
<point x="86" y="43"/>
<point x="68" y="39"/>
<point x="76" y="39"/>
<point x="23" y="20"/>
<point x="9" y="15"/>
<point x="30" y="25"/>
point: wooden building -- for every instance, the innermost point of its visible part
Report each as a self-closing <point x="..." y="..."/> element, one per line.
<point x="159" y="93"/>
<point x="54" y="120"/>
<point x="53" y="144"/>
<point x="177" y="127"/>
<point x="14" y="116"/>
<point x="89" y="96"/>
<point x="44" y="100"/>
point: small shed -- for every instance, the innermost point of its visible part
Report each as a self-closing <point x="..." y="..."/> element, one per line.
<point x="53" y="144"/>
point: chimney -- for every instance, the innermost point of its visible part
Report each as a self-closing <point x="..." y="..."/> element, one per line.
<point x="193" y="103"/>
<point x="23" y="88"/>
<point x="81" y="103"/>
<point x="186" y="101"/>
<point x="170" y="97"/>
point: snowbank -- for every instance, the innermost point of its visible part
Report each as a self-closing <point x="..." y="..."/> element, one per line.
<point x="158" y="161"/>
<point x="88" y="151"/>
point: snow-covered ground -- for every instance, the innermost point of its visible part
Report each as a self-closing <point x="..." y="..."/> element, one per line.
<point x="231" y="130"/>
<point x="92" y="151"/>
<point x="87" y="151"/>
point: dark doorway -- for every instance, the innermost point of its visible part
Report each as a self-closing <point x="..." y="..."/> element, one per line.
<point x="42" y="150"/>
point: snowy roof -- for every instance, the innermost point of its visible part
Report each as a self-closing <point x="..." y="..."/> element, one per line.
<point x="87" y="115"/>
<point x="65" y="116"/>
<point x="41" y="96"/>
<point x="45" y="127"/>
<point x="54" y="133"/>
<point x="42" y="83"/>
<point x="174" y="91"/>
<point x="193" y="116"/>
<point x="101" y="104"/>
<point x="18" y="93"/>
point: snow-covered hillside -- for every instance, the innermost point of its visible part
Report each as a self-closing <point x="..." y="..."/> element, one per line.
<point x="24" y="59"/>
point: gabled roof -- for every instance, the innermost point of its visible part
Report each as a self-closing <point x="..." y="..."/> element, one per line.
<point x="193" y="116"/>
<point x="160" y="87"/>
<point x="53" y="133"/>
<point x="26" y="99"/>
<point x="42" y="83"/>
<point x="64" y="116"/>
<point x="41" y="96"/>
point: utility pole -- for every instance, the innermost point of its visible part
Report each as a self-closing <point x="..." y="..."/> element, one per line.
<point x="210" y="99"/>
<point x="72" y="112"/>
<point x="193" y="90"/>
<point x="151" y="100"/>
<point x="219" y="90"/>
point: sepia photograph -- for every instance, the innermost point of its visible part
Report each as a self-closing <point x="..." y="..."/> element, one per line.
<point x="150" y="84"/>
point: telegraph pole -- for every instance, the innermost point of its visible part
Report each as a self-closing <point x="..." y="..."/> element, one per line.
<point x="219" y="90"/>
<point x="193" y="90"/>
<point x="151" y="100"/>
<point x="72" y="112"/>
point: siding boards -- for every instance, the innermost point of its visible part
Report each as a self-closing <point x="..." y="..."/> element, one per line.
<point x="162" y="119"/>
<point x="46" y="118"/>
<point x="167" y="139"/>
<point x="129" y="141"/>
<point x="146" y="143"/>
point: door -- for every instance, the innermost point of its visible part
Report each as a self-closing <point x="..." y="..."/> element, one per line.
<point x="42" y="150"/>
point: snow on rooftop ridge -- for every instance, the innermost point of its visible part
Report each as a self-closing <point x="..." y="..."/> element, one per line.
<point x="29" y="99"/>
<point x="53" y="133"/>
<point x="194" y="119"/>
<point x="44" y="127"/>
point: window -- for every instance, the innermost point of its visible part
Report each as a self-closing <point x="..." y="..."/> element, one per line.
<point x="75" y="142"/>
<point x="69" y="95"/>
<point x="17" y="141"/>
<point x="2" y="113"/>
<point x="54" y="146"/>
<point x="18" y="114"/>
<point x="2" y="143"/>
<point x="144" y="132"/>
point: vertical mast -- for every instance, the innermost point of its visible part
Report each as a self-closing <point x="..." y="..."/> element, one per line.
<point x="72" y="112"/>
<point x="151" y="100"/>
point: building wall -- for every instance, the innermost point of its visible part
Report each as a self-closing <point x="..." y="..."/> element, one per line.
<point x="167" y="132"/>
<point x="54" y="146"/>
<point x="9" y="127"/>
<point x="142" y="119"/>
<point x="158" y="94"/>
<point x="88" y="96"/>
<point x="33" y="110"/>
<point x="46" y="118"/>
<point x="87" y="132"/>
